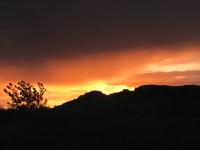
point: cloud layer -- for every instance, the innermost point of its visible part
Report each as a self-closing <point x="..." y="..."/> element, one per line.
<point x="117" y="44"/>
<point x="34" y="31"/>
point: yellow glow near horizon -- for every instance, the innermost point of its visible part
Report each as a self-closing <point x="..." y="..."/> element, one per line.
<point x="58" y="95"/>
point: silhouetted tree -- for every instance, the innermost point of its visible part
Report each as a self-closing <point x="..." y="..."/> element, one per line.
<point x="25" y="96"/>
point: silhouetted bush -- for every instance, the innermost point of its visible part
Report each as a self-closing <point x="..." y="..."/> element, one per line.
<point x="25" y="96"/>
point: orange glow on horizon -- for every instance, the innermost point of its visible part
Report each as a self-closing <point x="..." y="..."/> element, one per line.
<point x="111" y="72"/>
<point x="57" y="95"/>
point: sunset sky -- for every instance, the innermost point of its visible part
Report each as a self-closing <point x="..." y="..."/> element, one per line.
<point x="73" y="47"/>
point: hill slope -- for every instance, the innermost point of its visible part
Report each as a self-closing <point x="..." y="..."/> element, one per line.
<point x="151" y="117"/>
<point x="147" y="95"/>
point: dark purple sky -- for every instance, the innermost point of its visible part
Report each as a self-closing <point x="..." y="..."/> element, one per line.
<point x="37" y="30"/>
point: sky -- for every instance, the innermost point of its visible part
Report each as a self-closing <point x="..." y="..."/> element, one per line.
<point x="76" y="46"/>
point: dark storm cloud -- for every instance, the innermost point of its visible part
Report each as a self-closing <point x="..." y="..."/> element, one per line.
<point x="36" y="30"/>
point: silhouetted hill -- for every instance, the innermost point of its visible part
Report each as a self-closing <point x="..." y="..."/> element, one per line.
<point x="143" y="96"/>
<point x="150" y="117"/>
<point x="88" y="101"/>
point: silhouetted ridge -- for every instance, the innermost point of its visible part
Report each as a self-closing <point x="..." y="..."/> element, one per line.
<point x="154" y="117"/>
<point x="145" y="96"/>
<point x="120" y="98"/>
<point x="92" y="94"/>
<point x="170" y="93"/>
<point x="88" y="101"/>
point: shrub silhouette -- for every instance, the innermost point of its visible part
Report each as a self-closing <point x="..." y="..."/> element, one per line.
<point x="25" y="96"/>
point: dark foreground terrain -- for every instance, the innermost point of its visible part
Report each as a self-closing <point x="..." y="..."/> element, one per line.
<point x="158" y="117"/>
